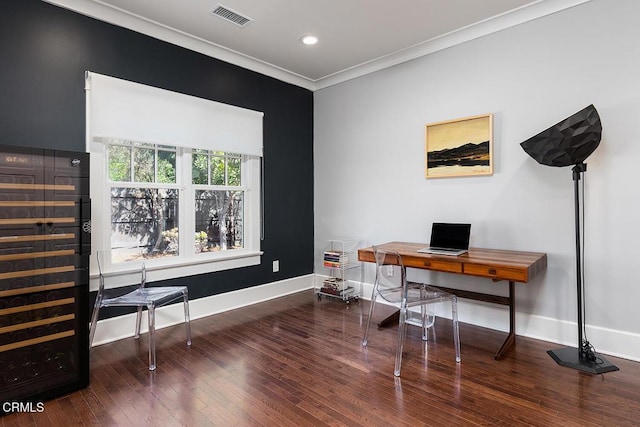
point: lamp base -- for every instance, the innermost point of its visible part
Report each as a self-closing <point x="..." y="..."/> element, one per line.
<point x="570" y="357"/>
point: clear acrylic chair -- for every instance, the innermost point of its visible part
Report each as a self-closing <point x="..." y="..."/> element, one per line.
<point x="392" y="285"/>
<point x="142" y="297"/>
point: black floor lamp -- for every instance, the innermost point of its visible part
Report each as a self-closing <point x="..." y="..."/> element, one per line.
<point x="568" y="143"/>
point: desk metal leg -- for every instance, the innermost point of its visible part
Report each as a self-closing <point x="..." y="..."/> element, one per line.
<point x="510" y="341"/>
<point x="391" y="319"/>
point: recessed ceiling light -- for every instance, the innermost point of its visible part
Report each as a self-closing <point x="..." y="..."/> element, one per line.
<point x="309" y="40"/>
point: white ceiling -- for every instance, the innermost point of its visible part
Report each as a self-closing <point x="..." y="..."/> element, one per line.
<point x="356" y="36"/>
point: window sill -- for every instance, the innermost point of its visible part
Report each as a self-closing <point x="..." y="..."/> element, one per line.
<point x="163" y="269"/>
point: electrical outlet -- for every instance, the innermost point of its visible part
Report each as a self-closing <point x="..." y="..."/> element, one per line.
<point x="276" y="266"/>
<point x="390" y="270"/>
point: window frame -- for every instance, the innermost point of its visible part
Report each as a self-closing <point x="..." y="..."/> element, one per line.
<point x="188" y="262"/>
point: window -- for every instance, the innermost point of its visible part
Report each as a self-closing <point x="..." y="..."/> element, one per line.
<point x="174" y="175"/>
<point x="219" y="197"/>
<point x="174" y="206"/>
<point x="143" y="200"/>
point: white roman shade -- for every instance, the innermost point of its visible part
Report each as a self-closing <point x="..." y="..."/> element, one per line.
<point x="130" y="111"/>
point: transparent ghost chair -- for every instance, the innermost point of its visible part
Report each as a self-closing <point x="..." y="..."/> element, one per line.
<point x="142" y="297"/>
<point x="392" y="285"/>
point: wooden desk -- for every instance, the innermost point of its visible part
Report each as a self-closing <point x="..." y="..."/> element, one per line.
<point x="495" y="264"/>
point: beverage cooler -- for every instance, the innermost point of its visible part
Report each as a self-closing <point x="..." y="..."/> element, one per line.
<point x="45" y="227"/>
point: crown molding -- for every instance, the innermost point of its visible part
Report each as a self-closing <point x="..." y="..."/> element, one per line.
<point x="103" y="12"/>
<point x="111" y="15"/>
<point x="491" y="25"/>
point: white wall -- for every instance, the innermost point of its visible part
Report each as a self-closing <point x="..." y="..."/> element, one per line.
<point x="369" y="164"/>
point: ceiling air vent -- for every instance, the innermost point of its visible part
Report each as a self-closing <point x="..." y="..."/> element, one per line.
<point x="230" y="15"/>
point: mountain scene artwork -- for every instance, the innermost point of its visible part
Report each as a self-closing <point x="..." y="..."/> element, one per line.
<point x="460" y="147"/>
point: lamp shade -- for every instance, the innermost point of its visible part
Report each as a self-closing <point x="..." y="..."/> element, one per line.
<point x="568" y="142"/>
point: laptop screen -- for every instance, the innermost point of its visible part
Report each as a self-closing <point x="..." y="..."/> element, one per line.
<point x="450" y="236"/>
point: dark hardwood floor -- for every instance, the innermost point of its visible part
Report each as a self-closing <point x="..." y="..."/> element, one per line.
<point x="297" y="361"/>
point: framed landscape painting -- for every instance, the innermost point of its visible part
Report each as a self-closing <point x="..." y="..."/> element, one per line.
<point x="460" y="147"/>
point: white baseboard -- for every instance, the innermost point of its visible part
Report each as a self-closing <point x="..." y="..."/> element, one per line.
<point x="559" y="333"/>
<point x="117" y="328"/>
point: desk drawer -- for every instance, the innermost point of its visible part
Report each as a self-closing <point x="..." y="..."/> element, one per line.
<point x="433" y="264"/>
<point x="502" y="273"/>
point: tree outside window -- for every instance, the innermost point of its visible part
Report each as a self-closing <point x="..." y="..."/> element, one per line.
<point x="219" y="200"/>
<point x="145" y="196"/>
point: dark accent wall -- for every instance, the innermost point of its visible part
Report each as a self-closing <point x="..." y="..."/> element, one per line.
<point x="44" y="53"/>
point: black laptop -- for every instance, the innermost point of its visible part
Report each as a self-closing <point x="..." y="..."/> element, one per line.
<point x="448" y="239"/>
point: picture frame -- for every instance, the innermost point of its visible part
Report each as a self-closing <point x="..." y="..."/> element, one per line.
<point x="459" y="147"/>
